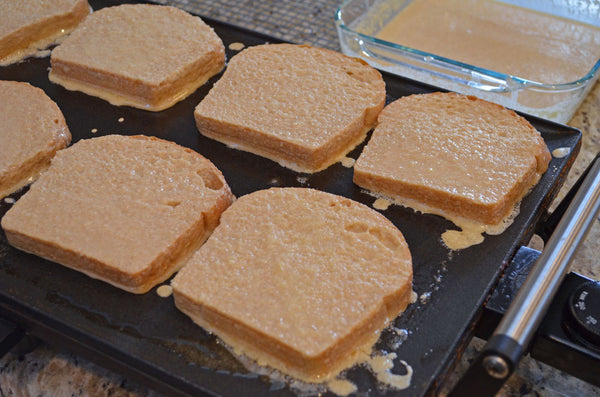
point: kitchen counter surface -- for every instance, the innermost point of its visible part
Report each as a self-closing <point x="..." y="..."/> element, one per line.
<point x="35" y="369"/>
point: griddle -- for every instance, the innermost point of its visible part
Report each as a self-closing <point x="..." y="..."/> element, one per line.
<point x="146" y="338"/>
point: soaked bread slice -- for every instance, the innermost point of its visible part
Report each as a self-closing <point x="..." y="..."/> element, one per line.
<point x="459" y="154"/>
<point x="27" y="26"/>
<point x="298" y="279"/>
<point x="300" y="106"/>
<point x="141" y="55"/>
<point x="126" y="210"/>
<point x="32" y="130"/>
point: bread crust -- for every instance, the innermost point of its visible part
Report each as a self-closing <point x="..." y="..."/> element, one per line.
<point x="300" y="106"/>
<point x="32" y="131"/>
<point x="125" y="210"/>
<point x="283" y="277"/>
<point x="119" y="55"/>
<point x="28" y="26"/>
<point x="459" y="154"/>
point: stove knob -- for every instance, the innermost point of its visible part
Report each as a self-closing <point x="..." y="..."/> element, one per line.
<point x="583" y="313"/>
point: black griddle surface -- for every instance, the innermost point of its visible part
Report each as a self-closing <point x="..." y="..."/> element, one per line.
<point x="145" y="337"/>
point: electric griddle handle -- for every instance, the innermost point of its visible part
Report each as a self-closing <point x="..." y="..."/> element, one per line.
<point x="512" y="337"/>
<point x="10" y="335"/>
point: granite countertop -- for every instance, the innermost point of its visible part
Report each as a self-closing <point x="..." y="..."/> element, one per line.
<point x="36" y="369"/>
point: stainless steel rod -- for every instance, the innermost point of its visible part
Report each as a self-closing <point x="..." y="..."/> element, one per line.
<point x="527" y="310"/>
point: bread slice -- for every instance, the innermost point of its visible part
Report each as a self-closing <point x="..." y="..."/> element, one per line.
<point x="298" y="279"/>
<point x="27" y="26"/>
<point x="141" y="55"/>
<point x="126" y="210"/>
<point x="32" y="130"/>
<point x="300" y="106"/>
<point x="459" y="154"/>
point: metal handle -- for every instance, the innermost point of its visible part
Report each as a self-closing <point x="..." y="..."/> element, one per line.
<point x="511" y="338"/>
<point x="532" y="301"/>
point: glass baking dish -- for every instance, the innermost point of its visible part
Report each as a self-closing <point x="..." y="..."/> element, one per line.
<point x="359" y="21"/>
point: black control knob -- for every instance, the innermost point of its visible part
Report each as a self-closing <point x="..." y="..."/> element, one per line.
<point x="583" y="314"/>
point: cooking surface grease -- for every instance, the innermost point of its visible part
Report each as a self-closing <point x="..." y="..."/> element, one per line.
<point x="164" y="291"/>
<point x="381" y="204"/>
<point x="470" y="233"/>
<point x="236" y="46"/>
<point x="561" y="152"/>
<point x="375" y="359"/>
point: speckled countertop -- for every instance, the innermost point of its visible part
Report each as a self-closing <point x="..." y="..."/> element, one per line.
<point x="36" y="369"/>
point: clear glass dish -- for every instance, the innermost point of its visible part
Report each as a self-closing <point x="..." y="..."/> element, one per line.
<point x="359" y="21"/>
